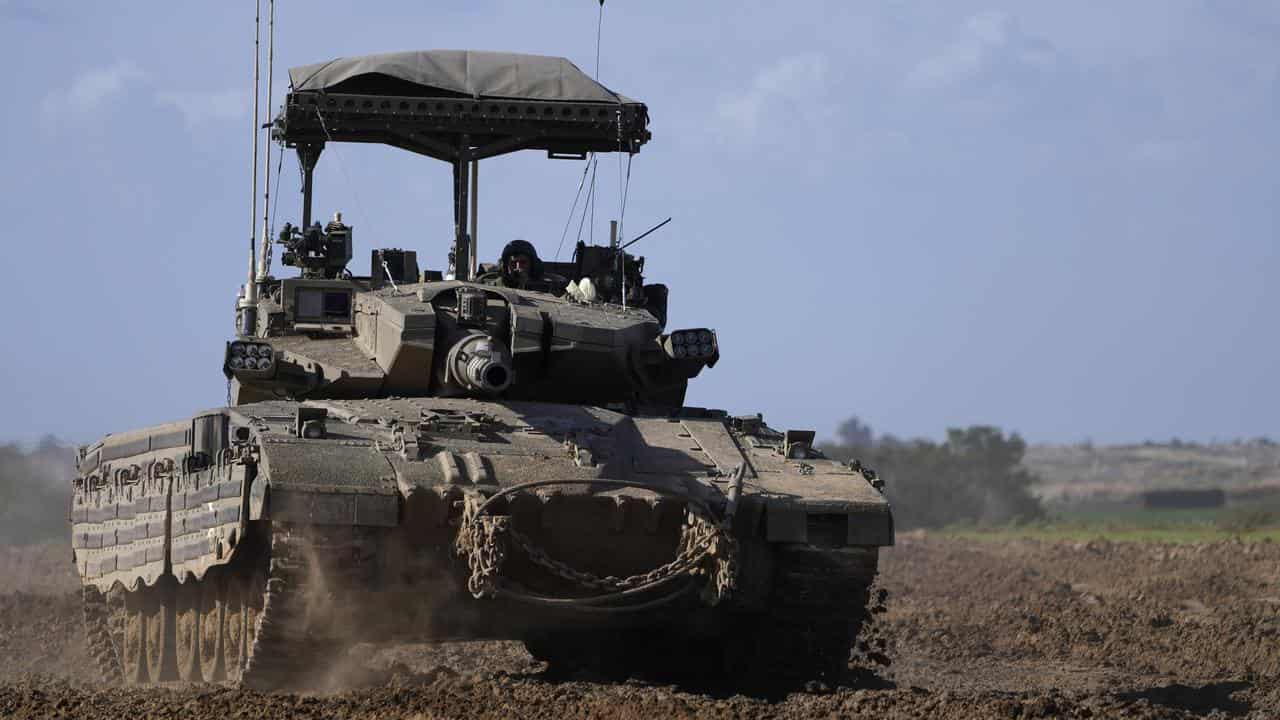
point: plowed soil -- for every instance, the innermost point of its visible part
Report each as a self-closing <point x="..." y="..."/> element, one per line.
<point x="976" y="630"/>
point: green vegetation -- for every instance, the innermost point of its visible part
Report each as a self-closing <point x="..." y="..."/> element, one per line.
<point x="975" y="476"/>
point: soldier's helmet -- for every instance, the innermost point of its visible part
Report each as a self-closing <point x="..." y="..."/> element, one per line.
<point x="520" y="247"/>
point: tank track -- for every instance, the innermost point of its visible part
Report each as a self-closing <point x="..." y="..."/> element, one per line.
<point x="97" y="621"/>
<point x="818" y="606"/>
<point x="283" y="651"/>
<point x="280" y="648"/>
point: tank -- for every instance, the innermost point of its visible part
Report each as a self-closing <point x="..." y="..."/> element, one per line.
<point x="473" y="452"/>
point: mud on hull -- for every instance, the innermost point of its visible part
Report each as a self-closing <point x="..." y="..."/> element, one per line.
<point x="279" y="617"/>
<point x="249" y="546"/>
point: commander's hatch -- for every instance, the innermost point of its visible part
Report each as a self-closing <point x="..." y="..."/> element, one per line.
<point x="459" y="106"/>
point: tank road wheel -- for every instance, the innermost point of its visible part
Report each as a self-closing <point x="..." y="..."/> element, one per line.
<point x="211" y="618"/>
<point x="233" y="626"/>
<point x="255" y="604"/>
<point x="133" y="645"/>
<point x="187" y="631"/>
<point x="158" y="623"/>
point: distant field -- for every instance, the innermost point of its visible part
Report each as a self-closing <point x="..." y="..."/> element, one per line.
<point x="1083" y="473"/>
<point x="1257" y="521"/>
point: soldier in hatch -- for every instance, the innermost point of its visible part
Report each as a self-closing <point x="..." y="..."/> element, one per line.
<point x="519" y="265"/>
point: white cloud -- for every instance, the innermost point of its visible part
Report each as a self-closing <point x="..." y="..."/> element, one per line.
<point x="793" y="82"/>
<point x="199" y="107"/>
<point x="983" y="35"/>
<point x="89" y="90"/>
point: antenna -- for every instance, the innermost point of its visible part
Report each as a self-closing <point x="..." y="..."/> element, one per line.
<point x="645" y="234"/>
<point x="264" y="265"/>
<point x="249" y="300"/>
<point x="253" y="212"/>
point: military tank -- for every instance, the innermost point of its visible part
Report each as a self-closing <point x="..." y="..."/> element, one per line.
<point x="415" y="455"/>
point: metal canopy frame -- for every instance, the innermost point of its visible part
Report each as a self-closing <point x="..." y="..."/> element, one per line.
<point x="456" y="130"/>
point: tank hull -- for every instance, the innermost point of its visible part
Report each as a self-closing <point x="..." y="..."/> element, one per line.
<point x="249" y="543"/>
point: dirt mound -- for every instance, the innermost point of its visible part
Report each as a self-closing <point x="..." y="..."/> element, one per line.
<point x="977" y="630"/>
<point x="42" y="634"/>
<point x="1202" y="612"/>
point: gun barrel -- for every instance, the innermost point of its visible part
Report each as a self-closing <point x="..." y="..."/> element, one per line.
<point x="481" y="364"/>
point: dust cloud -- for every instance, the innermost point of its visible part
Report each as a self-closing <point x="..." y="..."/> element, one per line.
<point x="35" y="492"/>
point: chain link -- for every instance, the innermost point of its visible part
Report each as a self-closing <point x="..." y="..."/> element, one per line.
<point x="705" y="548"/>
<point x="480" y="540"/>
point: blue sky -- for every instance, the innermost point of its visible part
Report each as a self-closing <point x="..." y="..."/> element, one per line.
<point x="1059" y="218"/>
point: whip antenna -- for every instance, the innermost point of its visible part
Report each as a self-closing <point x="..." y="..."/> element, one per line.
<point x="645" y="234"/>
<point x="264" y="265"/>
<point x="253" y="211"/>
<point x="249" y="299"/>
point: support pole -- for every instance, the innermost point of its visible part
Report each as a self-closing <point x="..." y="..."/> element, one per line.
<point x="475" y="210"/>
<point x="308" y="156"/>
<point x="306" y="196"/>
<point x="461" y="245"/>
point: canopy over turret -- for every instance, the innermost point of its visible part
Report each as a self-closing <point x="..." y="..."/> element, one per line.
<point x="458" y="106"/>
<point x="465" y="73"/>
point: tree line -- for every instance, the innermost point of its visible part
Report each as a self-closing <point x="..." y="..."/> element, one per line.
<point x="974" y="476"/>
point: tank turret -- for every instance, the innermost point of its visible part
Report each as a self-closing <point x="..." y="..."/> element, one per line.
<point x="386" y="334"/>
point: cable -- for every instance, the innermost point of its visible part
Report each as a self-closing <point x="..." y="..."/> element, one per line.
<point x="342" y="167"/>
<point x="573" y="208"/>
<point x="622" y="199"/>
<point x="584" y="605"/>
<point x="599" y="26"/>
<point x="271" y="233"/>
<point x="591" y="229"/>
<point x="590" y="194"/>
<point x="626" y="189"/>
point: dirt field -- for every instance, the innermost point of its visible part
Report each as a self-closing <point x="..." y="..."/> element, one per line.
<point x="1014" y="630"/>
